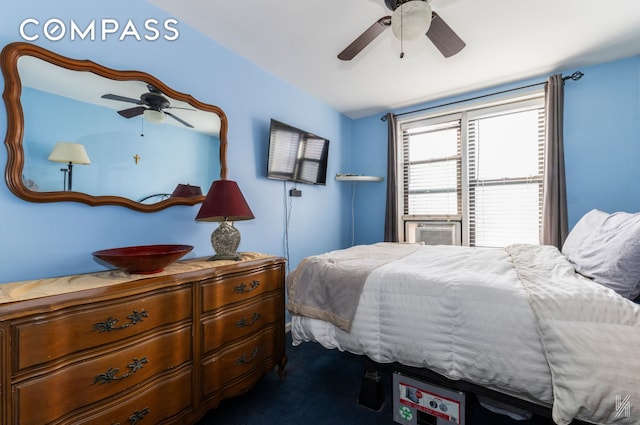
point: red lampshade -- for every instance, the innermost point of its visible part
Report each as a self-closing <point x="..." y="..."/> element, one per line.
<point x="186" y="191"/>
<point x="224" y="201"/>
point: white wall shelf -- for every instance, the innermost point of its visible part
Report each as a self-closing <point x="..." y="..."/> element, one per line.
<point x="357" y="178"/>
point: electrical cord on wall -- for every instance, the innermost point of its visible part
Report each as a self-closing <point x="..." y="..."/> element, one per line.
<point x="287" y="219"/>
<point x="353" y="213"/>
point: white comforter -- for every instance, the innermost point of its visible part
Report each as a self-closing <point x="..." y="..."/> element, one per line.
<point x="518" y="320"/>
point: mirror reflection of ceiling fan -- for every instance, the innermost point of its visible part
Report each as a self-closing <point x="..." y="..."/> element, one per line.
<point x="410" y="19"/>
<point x="153" y="105"/>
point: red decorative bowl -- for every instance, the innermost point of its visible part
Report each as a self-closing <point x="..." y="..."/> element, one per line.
<point x="144" y="259"/>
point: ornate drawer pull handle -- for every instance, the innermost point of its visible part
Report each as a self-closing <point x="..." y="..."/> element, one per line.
<point x="242" y="288"/>
<point x="137" y="416"/>
<point x="110" y="374"/>
<point x="244" y="322"/>
<point x="110" y="324"/>
<point x="243" y="359"/>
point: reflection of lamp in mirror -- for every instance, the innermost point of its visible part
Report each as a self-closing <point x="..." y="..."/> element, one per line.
<point x="153" y="116"/>
<point x="225" y="203"/>
<point x="186" y="191"/>
<point x="70" y="153"/>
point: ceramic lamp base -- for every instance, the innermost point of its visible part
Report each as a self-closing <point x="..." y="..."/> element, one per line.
<point x="225" y="241"/>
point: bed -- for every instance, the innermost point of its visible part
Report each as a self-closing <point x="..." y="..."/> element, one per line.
<point x="552" y="328"/>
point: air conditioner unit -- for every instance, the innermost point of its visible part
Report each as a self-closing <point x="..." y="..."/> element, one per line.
<point x="435" y="232"/>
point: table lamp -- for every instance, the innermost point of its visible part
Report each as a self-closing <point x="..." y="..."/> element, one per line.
<point x="225" y="203"/>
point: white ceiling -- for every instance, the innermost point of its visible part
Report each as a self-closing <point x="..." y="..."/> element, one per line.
<point x="507" y="41"/>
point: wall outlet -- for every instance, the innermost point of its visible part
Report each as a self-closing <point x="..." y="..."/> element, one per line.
<point x="295" y="192"/>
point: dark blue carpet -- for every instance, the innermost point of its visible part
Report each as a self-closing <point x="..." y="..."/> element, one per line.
<point x="321" y="387"/>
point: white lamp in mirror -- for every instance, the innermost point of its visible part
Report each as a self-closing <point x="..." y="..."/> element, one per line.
<point x="69" y="153"/>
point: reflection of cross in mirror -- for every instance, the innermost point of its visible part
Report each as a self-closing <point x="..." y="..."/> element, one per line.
<point x="137" y="158"/>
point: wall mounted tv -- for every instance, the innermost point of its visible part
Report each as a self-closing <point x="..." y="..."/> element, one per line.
<point x="296" y="155"/>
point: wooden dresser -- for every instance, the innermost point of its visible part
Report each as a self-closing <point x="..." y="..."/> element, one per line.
<point x="111" y="348"/>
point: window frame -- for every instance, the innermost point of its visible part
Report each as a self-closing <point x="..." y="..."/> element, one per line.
<point x="517" y="102"/>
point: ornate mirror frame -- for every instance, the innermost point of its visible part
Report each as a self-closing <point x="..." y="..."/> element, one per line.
<point x="15" y="127"/>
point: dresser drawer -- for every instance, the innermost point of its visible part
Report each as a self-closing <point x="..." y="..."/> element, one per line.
<point x="38" y="340"/>
<point x="95" y="379"/>
<point x="153" y="405"/>
<point x="232" y="289"/>
<point x="245" y="359"/>
<point x="229" y="324"/>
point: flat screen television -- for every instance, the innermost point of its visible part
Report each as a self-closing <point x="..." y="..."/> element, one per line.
<point x="296" y="155"/>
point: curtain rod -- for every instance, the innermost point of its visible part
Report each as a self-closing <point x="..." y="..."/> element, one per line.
<point x="575" y="77"/>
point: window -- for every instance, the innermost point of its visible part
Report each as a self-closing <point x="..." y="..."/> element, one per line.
<point x="432" y="159"/>
<point x="482" y="167"/>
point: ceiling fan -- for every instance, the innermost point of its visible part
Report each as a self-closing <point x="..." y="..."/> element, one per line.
<point x="152" y="104"/>
<point x="409" y="19"/>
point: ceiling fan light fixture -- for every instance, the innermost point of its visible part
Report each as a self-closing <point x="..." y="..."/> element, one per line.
<point x="154" y="116"/>
<point x="411" y="19"/>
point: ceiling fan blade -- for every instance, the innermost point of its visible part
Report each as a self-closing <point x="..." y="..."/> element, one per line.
<point x="178" y="119"/>
<point x="365" y="38"/>
<point x="132" y="112"/>
<point x="443" y="37"/>
<point x="120" y="98"/>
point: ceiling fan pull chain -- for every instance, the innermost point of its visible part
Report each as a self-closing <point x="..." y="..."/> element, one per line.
<point x="401" y="36"/>
<point x="142" y="127"/>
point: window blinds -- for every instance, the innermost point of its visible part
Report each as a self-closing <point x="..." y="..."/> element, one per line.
<point x="505" y="178"/>
<point x="489" y="160"/>
<point x="432" y="169"/>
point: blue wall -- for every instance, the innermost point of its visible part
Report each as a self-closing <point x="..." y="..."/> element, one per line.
<point x="602" y="145"/>
<point x="52" y="239"/>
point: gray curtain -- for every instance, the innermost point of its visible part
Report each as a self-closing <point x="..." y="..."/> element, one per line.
<point x="555" y="227"/>
<point x="391" y="212"/>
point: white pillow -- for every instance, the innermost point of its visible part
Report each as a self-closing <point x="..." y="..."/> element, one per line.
<point x="610" y="254"/>
<point x="583" y="228"/>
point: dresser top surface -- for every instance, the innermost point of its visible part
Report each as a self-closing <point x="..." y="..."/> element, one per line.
<point x="32" y="289"/>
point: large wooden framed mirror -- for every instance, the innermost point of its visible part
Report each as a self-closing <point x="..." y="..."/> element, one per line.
<point x="142" y="140"/>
